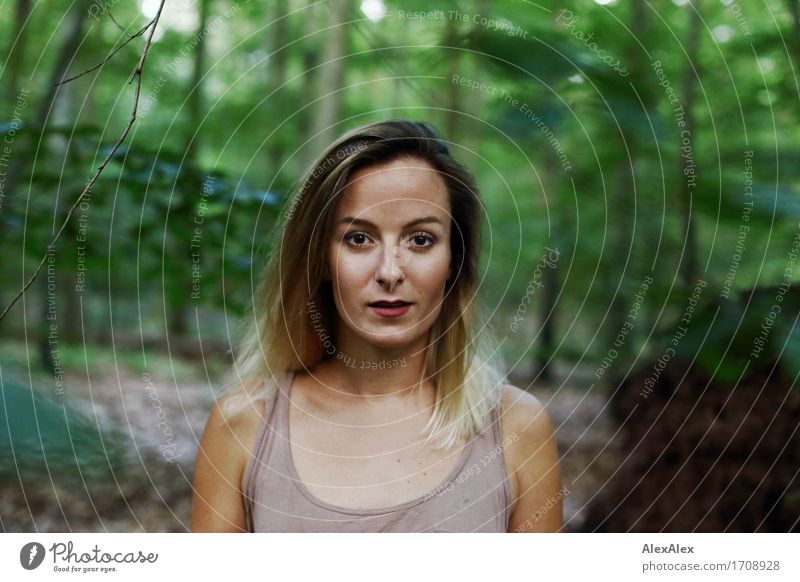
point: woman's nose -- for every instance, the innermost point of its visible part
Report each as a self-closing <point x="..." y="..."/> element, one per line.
<point x="390" y="268"/>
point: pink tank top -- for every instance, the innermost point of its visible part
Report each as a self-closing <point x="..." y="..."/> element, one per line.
<point x="475" y="497"/>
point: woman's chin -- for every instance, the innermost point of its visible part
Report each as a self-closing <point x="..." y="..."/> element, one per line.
<point x="389" y="343"/>
<point x="388" y="340"/>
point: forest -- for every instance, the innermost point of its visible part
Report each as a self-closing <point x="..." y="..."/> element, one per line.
<point x="639" y="168"/>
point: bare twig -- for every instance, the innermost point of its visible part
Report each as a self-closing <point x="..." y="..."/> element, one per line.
<point x="110" y="55"/>
<point x="114" y="20"/>
<point x="137" y="74"/>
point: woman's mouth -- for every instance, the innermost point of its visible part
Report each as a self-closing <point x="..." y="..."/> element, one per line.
<point x="390" y="308"/>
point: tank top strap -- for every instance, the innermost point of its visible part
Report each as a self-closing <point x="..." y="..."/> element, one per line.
<point x="500" y="444"/>
<point x="272" y="425"/>
<point x="281" y="410"/>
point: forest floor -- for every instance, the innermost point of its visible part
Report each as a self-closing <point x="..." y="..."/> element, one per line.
<point x="163" y="412"/>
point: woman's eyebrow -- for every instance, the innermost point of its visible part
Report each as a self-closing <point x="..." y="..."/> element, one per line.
<point x="362" y="222"/>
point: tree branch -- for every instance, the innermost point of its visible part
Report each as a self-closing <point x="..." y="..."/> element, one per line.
<point x="137" y="74"/>
<point x="114" y="20"/>
<point x="110" y="55"/>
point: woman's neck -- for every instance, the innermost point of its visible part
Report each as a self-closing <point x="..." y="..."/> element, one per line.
<point x="368" y="372"/>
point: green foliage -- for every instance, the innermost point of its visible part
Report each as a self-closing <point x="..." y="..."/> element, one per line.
<point x="731" y="339"/>
<point x="614" y="213"/>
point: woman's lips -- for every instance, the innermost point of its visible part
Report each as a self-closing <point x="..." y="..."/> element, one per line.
<point x="387" y="311"/>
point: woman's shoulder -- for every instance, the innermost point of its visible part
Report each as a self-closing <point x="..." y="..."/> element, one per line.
<point x="222" y="457"/>
<point x="532" y="460"/>
<point x="520" y="410"/>
<point x="233" y="424"/>
<point x="237" y="413"/>
<point x="526" y="426"/>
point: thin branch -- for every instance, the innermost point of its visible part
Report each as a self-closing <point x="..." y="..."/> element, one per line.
<point x="110" y="55"/>
<point x="114" y="20"/>
<point x="137" y="73"/>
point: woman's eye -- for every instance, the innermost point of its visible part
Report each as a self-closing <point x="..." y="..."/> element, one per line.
<point x="423" y="239"/>
<point x="418" y="240"/>
<point x="356" y="239"/>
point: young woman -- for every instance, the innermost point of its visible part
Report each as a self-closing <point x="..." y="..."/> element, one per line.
<point x="365" y="396"/>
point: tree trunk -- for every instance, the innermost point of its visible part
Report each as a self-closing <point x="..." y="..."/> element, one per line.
<point x="183" y="213"/>
<point x="18" y="165"/>
<point x="686" y="187"/>
<point x="310" y="57"/>
<point x="547" y="313"/>
<point x="622" y="200"/>
<point x="43" y="329"/>
<point x="17" y="44"/>
<point x="195" y="99"/>
<point x="454" y="91"/>
<point x="329" y="106"/>
<point x="66" y="53"/>
<point x="276" y="77"/>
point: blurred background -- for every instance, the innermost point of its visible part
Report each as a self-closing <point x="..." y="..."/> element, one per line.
<point x="639" y="164"/>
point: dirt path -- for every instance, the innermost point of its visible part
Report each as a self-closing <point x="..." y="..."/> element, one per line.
<point x="587" y="454"/>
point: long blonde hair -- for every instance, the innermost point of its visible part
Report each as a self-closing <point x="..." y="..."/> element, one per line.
<point x="461" y="359"/>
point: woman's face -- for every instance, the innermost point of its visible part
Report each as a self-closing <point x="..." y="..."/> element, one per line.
<point x="391" y="242"/>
